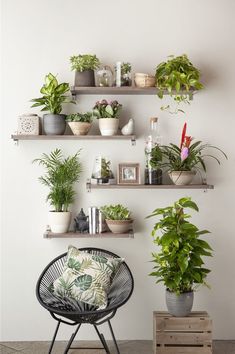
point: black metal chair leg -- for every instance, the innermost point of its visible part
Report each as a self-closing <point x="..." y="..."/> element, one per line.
<point x="72" y="339"/>
<point x="114" y="339"/>
<point x="102" y="339"/>
<point x="54" y="337"/>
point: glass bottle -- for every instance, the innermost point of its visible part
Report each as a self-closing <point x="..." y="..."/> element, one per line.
<point x="153" y="175"/>
<point x="104" y="77"/>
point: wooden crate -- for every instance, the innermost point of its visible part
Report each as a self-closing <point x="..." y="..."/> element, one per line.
<point x="182" y="335"/>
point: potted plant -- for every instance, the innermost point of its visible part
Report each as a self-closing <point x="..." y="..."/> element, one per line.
<point x="80" y="123"/>
<point x="52" y="100"/>
<point x="125" y="74"/>
<point x="84" y="66"/>
<point x="102" y="172"/>
<point x="117" y="217"/>
<point x="179" y="77"/>
<point x="107" y="113"/>
<point x="182" y="162"/>
<point x="61" y="174"/>
<point x="179" y="263"/>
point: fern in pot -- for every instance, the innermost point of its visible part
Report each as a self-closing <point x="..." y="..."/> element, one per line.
<point x="84" y="66"/>
<point x="61" y="174"/>
<point x="179" y="263"/>
<point x="108" y="115"/>
<point x="117" y="217"/>
<point x="80" y="123"/>
<point x="52" y="100"/>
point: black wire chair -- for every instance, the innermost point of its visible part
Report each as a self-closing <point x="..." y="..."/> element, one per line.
<point x="77" y="312"/>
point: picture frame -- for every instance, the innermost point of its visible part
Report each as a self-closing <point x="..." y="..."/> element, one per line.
<point x="128" y="173"/>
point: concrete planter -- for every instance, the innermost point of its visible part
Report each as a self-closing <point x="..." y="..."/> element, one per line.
<point x="79" y="128"/>
<point x="59" y="221"/>
<point x="179" y="305"/>
<point x="181" y="178"/>
<point x="119" y="226"/>
<point x="108" y="126"/>
<point x="54" y="124"/>
<point x="85" y="78"/>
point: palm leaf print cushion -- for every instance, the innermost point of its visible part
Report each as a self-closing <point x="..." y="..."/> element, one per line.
<point x="86" y="277"/>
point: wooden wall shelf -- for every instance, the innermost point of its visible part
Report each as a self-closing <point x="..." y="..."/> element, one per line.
<point x="144" y="186"/>
<point x="49" y="234"/>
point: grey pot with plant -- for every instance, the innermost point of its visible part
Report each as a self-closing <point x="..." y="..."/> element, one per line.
<point x="184" y="161"/>
<point x="118" y="218"/>
<point x="108" y="115"/>
<point x="84" y="66"/>
<point x="60" y="177"/>
<point x="52" y="100"/>
<point x="179" y="78"/>
<point x="179" y="263"/>
<point x="80" y="123"/>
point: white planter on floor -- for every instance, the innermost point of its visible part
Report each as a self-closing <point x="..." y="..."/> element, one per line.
<point x="59" y="221"/>
<point x="108" y="126"/>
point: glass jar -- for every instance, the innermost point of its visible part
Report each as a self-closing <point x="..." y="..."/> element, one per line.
<point x="104" y="76"/>
<point x="102" y="172"/>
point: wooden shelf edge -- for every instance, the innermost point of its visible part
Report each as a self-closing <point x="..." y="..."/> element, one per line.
<point x="71" y="234"/>
<point x="16" y="137"/>
<point x="144" y="186"/>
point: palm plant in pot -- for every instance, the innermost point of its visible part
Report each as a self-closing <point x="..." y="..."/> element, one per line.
<point x="182" y="162"/>
<point x="80" y="123"/>
<point x="179" y="264"/>
<point x="108" y="115"/>
<point x="84" y="66"/>
<point x="61" y="174"/>
<point x="117" y="217"/>
<point x="52" y="100"/>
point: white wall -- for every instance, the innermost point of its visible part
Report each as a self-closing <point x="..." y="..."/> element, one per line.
<point x="40" y="36"/>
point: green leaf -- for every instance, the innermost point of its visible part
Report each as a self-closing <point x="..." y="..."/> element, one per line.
<point x="83" y="281"/>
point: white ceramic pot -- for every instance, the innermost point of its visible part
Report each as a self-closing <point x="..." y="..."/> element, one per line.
<point x="108" y="126"/>
<point x="181" y="178"/>
<point x="59" y="221"/>
<point x="119" y="226"/>
<point x="79" y="128"/>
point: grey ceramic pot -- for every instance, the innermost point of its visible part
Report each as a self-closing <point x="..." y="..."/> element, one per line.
<point x="179" y="305"/>
<point x="85" y="78"/>
<point x="54" y="124"/>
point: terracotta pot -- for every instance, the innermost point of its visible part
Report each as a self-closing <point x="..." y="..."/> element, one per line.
<point x="119" y="226"/>
<point x="108" y="126"/>
<point x="179" y="305"/>
<point x="79" y="128"/>
<point x="59" y="221"/>
<point x="181" y="178"/>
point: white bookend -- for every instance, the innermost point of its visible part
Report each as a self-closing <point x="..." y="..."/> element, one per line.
<point x="101" y="224"/>
<point x="90" y="219"/>
<point x="94" y="219"/>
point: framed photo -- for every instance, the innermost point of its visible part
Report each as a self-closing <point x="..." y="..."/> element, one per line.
<point x="129" y="173"/>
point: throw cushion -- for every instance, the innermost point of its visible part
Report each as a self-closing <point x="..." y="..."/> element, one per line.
<point x="86" y="277"/>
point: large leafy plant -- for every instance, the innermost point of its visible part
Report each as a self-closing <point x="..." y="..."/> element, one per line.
<point x="105" y="109"/>
<point x="80" y="117"/>
<point x="186" y="157"/>
<point x="61" y="174"/>
<point x="179" y="263"/>
<point x="84" y="62"/>
<point x="115" y="212"/>
<point x="53" y="95"/>
<point x="179" y="77"/>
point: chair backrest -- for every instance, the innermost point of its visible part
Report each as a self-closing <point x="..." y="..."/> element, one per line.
<point x="121" y="287"/>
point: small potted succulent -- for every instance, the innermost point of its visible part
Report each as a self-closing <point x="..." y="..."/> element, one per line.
<point x="52" y="100"/>
<point x="182" y="162"/>
<point x="80" y="123"/>
<point x="117" y="217"/>
<point x="180" y="78"/>
<point x="108" y="115"/>
<point x="102" y="172"/>
<point x="125" y="74"/>
<point x="179" y="262"/>
<point x="84" y="66"/>
<point x="61" y="174"/>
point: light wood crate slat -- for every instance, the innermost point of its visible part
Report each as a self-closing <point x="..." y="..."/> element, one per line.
<point x="187" y="338"/>
<point x="196" y="324"/>
<point x="184" y="350"/>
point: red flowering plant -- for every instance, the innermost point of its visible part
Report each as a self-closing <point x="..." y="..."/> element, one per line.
<point x="105" y="109"/>
<point x="186" y="157"/>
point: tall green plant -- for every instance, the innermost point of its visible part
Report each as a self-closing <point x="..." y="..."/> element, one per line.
<point x="53" y="95"/>
<point x="61" y="174"/>
<point x="179" y="264"/>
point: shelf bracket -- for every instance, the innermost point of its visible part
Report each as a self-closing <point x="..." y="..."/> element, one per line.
<point x="133" y="141"/>
<point x="88" y="186"/>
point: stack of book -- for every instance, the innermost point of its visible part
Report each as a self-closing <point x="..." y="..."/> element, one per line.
<point x="97" y="223"/>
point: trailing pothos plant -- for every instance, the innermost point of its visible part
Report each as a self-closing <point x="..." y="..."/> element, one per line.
<point x="61" y="174"/>
<point x="115" y="212"/>
<point x="180" y="78"/>
<point x="53" y="95"/>
<point x="179" y="264"/>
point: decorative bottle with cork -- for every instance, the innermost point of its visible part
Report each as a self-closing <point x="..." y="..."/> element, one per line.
<point x="153" y="175"/>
